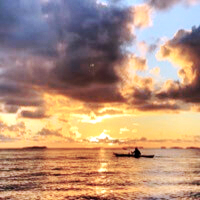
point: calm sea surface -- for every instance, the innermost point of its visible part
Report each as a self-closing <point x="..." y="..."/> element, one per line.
<point x="97" y="174"/>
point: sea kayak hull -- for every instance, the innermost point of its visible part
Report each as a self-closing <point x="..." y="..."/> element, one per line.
<point x="130" y="155"/>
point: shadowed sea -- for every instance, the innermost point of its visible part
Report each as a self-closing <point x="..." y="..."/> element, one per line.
<point x="99" y="175"/>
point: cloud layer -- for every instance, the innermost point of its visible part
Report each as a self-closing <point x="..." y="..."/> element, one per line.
<point x="78" y="49"/>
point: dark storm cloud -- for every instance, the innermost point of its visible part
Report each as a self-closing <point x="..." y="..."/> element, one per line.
<point x="68" y="47"/>
<point x="23" y="27"/>
<point x="187" y="44"/>
<point x="83" y="39"/>
<point x="94" y="35"/>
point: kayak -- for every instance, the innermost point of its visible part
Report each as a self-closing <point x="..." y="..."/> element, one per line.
<point x="131" y="155"/>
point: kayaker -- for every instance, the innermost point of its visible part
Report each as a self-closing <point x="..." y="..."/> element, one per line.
<point x="137" y="153"/>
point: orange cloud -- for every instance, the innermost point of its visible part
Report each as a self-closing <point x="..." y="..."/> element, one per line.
<point x="142" y="16"/>
<point x="183" y="50"/>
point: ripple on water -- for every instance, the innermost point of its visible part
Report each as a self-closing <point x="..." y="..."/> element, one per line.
<point x="98" y="175"/>
<point x="57" y="168"/>
<point x="19" y="187"/>
<point x="13" y="169"/>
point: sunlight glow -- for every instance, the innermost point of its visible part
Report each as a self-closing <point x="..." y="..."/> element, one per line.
<point x="103" y="137"/>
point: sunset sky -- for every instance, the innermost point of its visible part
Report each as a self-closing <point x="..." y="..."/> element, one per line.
<point x="89" y="73"/>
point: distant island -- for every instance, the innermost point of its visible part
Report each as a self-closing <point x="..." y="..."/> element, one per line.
<point x="176" y="148"/>
<point x="35" y="148"/>
<point x="193" y="148"/>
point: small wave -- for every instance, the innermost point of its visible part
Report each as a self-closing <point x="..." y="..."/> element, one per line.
<point x="60" y="189"/>
<point x="197" y="172"/>
<point x="195" y="183"/>
<point x="18" y="187"/>
<point x="21" y="159"/>
<point x="26" y="176"/>
<point x="67" y="189"/>
<point x="89" y="197"/>
<point x="13" y="169"/>
<point x="194" y="195"/>
<point x="83" y="174"/>
<point x="63" y="182"/>
<point x="57" y="174"/>
<point x="29" y="176"/>
<point x="7" y="198"/>
<point x="38" y="174"/>
<point x="82" y="157"/>
<point x="57" y="168"/>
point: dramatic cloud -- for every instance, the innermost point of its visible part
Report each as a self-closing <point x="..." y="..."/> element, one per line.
<point x="73" y="48"/>
<point x="80" y="50"/>
<point x="93" y="50"/>
<point x="183" y="50"/>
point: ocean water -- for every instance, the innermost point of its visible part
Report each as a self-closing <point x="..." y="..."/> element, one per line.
<point x="99" y="175"/>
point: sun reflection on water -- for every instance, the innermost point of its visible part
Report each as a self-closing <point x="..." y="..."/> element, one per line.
<point x="103" y="167"/>
<point x="101" y="180"/>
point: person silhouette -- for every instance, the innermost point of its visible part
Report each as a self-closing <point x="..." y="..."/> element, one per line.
<point x="137" y="153"/>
